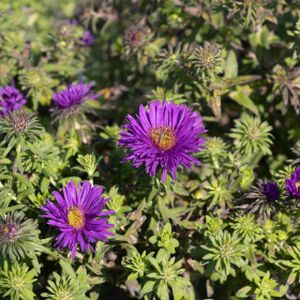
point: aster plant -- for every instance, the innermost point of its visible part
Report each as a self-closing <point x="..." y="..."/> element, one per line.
<point x="286" y="87"/>
<point x="64" y="287"/>
<point x="224" y="254"/>
<point x="79" y="216"/>
<point x="249" y="13"/>
<point x="252" y="135"/>
<point x="165" y="136"/>
<point x="67" y="35"/>
<point x="16" y="281"/>
<point x="169" y="58"/>
<point x="37" y="83"/>
<point x="166" y="274"/>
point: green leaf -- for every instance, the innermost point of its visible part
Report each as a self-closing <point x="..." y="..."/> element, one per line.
<point x="154" y="263"/>
<point x="230" y="82"/>
<point x="243" y="292"/>
<point x="231" y="65"/>
<point x="66" y="267"/>
<point x="292" y="277"/>
<point x="282" y="290"/>
<point x="243" y="99"/>
<point x="163" y="291"/>
<point x="153" y="239"/>
<point x="162" y="208"/>
<point x="148" y="287"/>
<point x="180" y="190"/>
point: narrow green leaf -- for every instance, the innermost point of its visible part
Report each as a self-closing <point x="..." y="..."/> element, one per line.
<point x="231" y="65"/>
<point x="243" y="99"/>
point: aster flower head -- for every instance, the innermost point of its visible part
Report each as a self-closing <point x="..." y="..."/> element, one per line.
<point x="271" y="191"/>
<point x="88" y="38"/>
<point x="74" y="95"/>
<point x="207" y="58"/>
<point x="79" y="216"/>
<point x="135" y="36"/>
<point x="20" y="125"/>
<point x="164" y="135"/>
<point x="292" y="184"/>
<point x="18" y="237"/>
<point x="10" y="100"/>
<point x="70" y="112"/>
<point x="261" y="199"/>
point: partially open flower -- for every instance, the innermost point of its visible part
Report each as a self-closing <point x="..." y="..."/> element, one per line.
<point x="270" y="190"/>
<point x="70" y="110"/>
<point x="18" y="237"/>
<point x="10" y="100"/>
<point x="74" y="95"/>
<point x="68" y="102"/>
<point x="261" y="199"/>
<point x="88" y="38"/>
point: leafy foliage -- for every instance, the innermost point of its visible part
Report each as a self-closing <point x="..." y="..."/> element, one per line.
<point x="17" y="281"/>
<point x="213" y="233"/>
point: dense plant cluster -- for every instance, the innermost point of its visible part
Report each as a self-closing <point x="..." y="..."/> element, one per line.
<point x="149" y="149"/>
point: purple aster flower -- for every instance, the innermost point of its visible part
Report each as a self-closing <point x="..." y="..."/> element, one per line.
<point x="261" y="200"/>
<point x="79" y="216"/>
<point x="74" y="95"/>
<point x="292" y="184"/>
<point x="10" y="100"/>
<point x="88" y="38"/>
<point x="271" y="191"/>
<point x="165" y="135"/>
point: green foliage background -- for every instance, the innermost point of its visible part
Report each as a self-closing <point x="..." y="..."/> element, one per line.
<point x="209" y="235"/>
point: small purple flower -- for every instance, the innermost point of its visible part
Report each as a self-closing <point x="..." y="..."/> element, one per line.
<point x="88" y="38"/>
<point x="165" y="135"/>
<point x="271" y="191"/>
<point x="292" y="184"/>
<point x="72" y="21"/>
<point x="74" y="95"/>
<point x="79" y="216"/>
<point x="10" y="100"/>
<point x="9" y="232"/>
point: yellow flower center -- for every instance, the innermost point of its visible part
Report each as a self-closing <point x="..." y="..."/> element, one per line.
<point x="7" y="229"/>
<point x="76" y="218"/>
<point x="10" y="231"/>
<point x="163" y="138"/>
<point x="106" y="92"/>
<point x="297" y="184"/>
